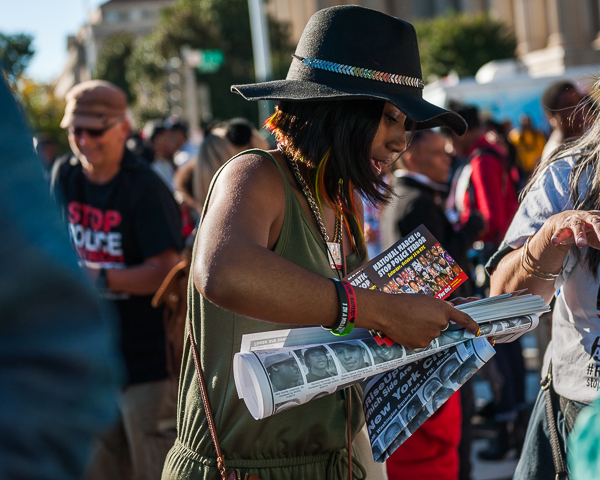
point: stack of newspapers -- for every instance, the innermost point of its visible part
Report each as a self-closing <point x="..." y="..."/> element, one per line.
<point x="280" y="369"/>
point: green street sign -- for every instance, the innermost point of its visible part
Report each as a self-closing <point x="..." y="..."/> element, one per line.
<point x="210" y="60"/>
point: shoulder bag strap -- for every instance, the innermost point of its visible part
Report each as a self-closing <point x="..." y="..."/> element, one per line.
<point x="559" y="462"/>
<point x="347" y="389"/>
<point x="349" y="430"/>
<point x="205" y="402"/>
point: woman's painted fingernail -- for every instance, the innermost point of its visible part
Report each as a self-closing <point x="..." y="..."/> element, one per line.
<point x="478" y="332"/>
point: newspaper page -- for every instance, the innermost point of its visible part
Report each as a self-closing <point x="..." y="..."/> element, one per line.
<point x="397" y="403"/>
<point x="509" y="329"/>
<point x="416" y="263"/>
<point x="285" y="368"/>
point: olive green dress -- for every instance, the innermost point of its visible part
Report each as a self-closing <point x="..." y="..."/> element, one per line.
<point x="305" y="442"/>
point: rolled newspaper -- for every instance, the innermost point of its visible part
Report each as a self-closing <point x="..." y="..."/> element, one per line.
<point x="274" y="379"/>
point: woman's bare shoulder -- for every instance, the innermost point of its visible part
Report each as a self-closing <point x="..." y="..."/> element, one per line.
<point x="245" y="210"/>
<point x="251" y="167"/>
<point x="249" y="189"/>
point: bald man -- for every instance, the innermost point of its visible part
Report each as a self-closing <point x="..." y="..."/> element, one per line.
<point x="420" y="189"/>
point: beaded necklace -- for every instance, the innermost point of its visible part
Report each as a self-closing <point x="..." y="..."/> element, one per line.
<point x="334" y="247"/>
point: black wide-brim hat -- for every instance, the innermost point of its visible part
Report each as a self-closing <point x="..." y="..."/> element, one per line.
<point x="348" y="52"/>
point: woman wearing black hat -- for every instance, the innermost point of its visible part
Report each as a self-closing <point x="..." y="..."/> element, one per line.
<point x="272" y="227"/>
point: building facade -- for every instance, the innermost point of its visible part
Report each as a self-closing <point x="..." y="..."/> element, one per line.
<point x="137" y="17"/>
<point x="552" y="35"/>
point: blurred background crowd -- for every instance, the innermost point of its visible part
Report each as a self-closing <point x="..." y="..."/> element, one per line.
<point x="519" y="72"/>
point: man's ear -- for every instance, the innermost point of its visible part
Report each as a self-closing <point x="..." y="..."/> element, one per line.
<point x="407" y="160"/>
<point x="125" y="127"/>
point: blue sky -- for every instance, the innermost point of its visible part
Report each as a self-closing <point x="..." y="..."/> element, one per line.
<point x="50" y="22"/>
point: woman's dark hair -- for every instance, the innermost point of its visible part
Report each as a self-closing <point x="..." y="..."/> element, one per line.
<point x="552" y="94"/>
<point x="334" y="139"/>
<point x="585" y="172"/>
<point x="345" y="130"/>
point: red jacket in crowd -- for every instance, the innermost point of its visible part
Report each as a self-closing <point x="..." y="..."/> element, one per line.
<point x="431" y="453"/>
<point x="491" y="191"/>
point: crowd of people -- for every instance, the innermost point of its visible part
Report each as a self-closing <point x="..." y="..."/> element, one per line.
<point x="192" y="246"/>
<point x="464" y="190"/>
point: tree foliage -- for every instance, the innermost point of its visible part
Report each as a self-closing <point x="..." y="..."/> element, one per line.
<point x="43" y="111"/>
<point x="463" y="43"/>
<point x="41" y="108"/>
<point x="206" y="25"/>
<point x="113" y="61"/>
<point x="16" y="52"/>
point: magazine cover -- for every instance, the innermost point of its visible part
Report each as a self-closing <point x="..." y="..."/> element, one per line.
<point x="359" y="279"/>
<point x="417" y="263"/>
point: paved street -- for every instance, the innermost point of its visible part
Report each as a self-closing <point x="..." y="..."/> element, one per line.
<point x="482" y="470"/>
<point x="503" y="470"/>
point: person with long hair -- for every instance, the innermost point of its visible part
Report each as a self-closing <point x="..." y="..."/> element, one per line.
<point x="273" y="224"/>
<point x="221" y="142"/>
<point x="553" y="248"/>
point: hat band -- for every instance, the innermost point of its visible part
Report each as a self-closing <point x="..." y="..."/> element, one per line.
<point x="362" y="72"/>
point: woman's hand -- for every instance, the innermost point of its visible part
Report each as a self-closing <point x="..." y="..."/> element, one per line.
<point x="547" y="250"/>
<point x="414" y="320"/>
<point x="578" y="227"/>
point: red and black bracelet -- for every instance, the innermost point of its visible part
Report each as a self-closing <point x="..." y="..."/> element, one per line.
<point x="347" y="299"/>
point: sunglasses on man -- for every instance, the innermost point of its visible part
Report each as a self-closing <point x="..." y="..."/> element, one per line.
<point x="92" y="132"/>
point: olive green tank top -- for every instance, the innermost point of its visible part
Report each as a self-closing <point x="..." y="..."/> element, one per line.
<point x="302" y="442"/>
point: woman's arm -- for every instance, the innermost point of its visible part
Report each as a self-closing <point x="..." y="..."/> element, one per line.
<point x="143" y="279"/>
<point x="547" y="251"/>
<point x="236" y="269"/>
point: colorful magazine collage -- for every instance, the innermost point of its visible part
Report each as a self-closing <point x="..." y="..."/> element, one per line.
<point x="417" y="263"/>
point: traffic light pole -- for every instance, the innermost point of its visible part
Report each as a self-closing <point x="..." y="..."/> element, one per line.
<point x="262" y="52"/>
<point x="190" y="94"/>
